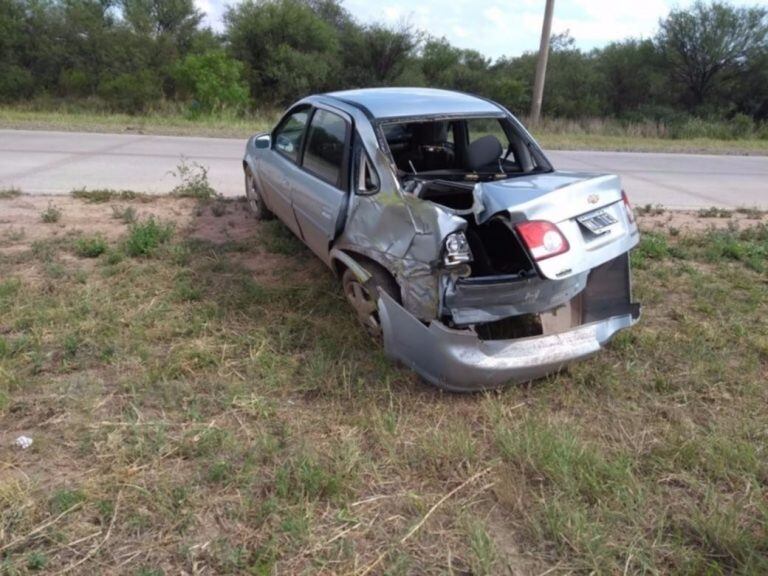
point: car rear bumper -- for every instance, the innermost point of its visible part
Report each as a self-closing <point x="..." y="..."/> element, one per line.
<point x="459" y="360"/>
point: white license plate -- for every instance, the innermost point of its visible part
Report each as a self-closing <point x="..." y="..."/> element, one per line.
<point x="597" y="222"/>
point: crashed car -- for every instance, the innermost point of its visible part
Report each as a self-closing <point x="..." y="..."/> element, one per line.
<point x="458" y="244"/>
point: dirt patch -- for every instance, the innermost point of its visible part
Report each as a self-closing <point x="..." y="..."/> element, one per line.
<point x="692" y="221"/>
<point x="224" y="221"/>
<point x="21" y="218"/>
<point x="229" y="224"/>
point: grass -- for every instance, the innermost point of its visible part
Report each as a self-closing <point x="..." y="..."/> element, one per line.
<point x="554" y="134"/>
<point x="9" y="193"/>
<point x="164" y="122"/>
<point x="127" y="214"/>
<point x="101" y="195"/>
<point x="51" y="214"/>
<point x="193" y="181"/>
<point x="144" y="238"/>
<point x="215" y="407"/>
<point x="90" y="246"/>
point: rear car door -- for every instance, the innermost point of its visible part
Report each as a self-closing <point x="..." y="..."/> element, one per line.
<point x="320" y="192"/>
<point x="279" y="169"/>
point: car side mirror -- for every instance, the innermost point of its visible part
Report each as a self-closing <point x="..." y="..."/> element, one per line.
<point x="262" y="141"/>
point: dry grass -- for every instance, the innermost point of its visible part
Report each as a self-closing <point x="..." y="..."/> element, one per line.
<point x="212" y="407"/>
<point x="554" y="134"/>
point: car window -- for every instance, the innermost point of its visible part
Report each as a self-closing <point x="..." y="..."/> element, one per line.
<point x="479" y="127"/>
<point x="367" y="178"/>
<point x="324" y="155"/>
<point x="288" y="134"/>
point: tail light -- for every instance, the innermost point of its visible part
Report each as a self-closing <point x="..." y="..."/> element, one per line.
<point x="628" y="207"/>
<point x="543" y="239"/>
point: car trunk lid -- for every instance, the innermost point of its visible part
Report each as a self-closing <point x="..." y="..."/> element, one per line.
<point x="587" y="208"/>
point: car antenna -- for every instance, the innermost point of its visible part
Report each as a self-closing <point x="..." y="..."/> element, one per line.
<point x="410" y="163"/>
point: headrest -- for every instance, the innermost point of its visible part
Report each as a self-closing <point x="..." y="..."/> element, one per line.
<point x="483" y="151"/>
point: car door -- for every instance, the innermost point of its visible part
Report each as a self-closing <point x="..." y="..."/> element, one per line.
<point x="280" y="167"/>
<point x="320" y="194"/>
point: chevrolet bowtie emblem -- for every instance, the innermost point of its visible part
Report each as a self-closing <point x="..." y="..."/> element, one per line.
<point x="593" y="198"/>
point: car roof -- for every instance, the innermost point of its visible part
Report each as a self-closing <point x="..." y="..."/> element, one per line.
<point x="403" y="102"/>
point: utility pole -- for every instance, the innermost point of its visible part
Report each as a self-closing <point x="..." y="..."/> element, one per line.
<point x="541" y="64"/>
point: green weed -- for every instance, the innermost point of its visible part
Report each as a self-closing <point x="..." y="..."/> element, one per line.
<point x="144" y="238"/>
<point x="194" y="181"/>
<point x="51" y="214"/>
<point x="90" y="246"/>
<point x="103" y="195"/>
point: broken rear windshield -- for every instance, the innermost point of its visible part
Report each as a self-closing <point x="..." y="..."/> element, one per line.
<point x="456" y="147"/>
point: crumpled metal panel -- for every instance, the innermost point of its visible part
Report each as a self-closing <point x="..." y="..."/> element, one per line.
<point x="457" y="360"/>
<point x="405" y="235"/>
<point x="472" y="301"/>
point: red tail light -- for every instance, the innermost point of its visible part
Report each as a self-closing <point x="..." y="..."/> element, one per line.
<point x="543" y="239"/>
<point x="628" y="207"/>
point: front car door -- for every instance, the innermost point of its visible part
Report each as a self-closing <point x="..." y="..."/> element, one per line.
<point x="279" y="168"/>
<point x="320" y="191"/>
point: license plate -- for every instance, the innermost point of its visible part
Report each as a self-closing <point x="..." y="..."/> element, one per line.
<point x="597" y="222"/>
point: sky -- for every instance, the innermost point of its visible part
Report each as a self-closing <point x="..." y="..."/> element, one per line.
<point x="495" y="28"/>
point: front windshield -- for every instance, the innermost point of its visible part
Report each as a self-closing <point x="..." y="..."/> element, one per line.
<point x="474" y="148"/>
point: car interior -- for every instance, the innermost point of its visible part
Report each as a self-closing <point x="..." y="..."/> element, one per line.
<point x="471" y="148"/>
<point x="441" y="162"/>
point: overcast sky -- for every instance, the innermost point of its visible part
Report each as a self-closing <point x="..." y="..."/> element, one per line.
<point x="497" y="28"/>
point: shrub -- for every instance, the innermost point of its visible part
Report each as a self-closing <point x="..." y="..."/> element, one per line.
<point x="51" y="214"/>
<point x="145" y="237"/>
<point x="125" y="213"/>
<point x="15" y="83"/>
<point x="194" y="181"/>
<point x="90" y="246"/>
<point x="75" y="82"/>
<point x="213" y="80"/>
<point x="132" y="93"/>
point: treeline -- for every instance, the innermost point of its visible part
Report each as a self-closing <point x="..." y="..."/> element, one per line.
<point x="710" y="60"/>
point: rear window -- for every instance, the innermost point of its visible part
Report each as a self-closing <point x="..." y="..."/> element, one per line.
<point x="324" y="155"/>
<point x="479" y="127"/>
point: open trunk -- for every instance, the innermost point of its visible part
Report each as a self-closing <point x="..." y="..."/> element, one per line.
<point x="504" y="281"/>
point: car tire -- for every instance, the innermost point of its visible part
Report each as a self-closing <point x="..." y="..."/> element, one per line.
<point x="255" y="201"/>
<point x="364" y="297"/>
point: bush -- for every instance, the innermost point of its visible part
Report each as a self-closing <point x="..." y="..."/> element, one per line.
<point x="74" y="82"/>
<point x="15" y="83"/>
<point x="145" y="237"/>
<point x="213" y="80"/>
<point x="194" y="181"/>
<point x="132" y="93"/>
<point x="51" y="214"/>
<point x="90" y="246"/>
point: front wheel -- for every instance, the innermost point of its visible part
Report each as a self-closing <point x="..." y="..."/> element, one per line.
<point x="364" y="297"/>
<point x="255" y="200"/>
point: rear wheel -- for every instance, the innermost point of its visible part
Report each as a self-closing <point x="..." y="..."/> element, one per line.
<point x="255" y="200"/>
<point x="364" y="297"/>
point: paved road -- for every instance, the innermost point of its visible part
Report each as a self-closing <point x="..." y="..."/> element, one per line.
<point x="40" y="162"/>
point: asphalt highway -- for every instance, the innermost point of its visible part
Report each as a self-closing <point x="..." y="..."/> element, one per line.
<point x="43" y="162"/>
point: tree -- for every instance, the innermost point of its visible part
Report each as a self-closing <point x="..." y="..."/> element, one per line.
<point x="633" y="75"/>
<point x="15" y="80"/>
<point x="709" y="43"/>
<point x="178" y="19"/>
<point x="288" y="50"/>
<point x="446" y="66"/>
<point x="385" y="52"/>
<point x="213" y="80"/>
